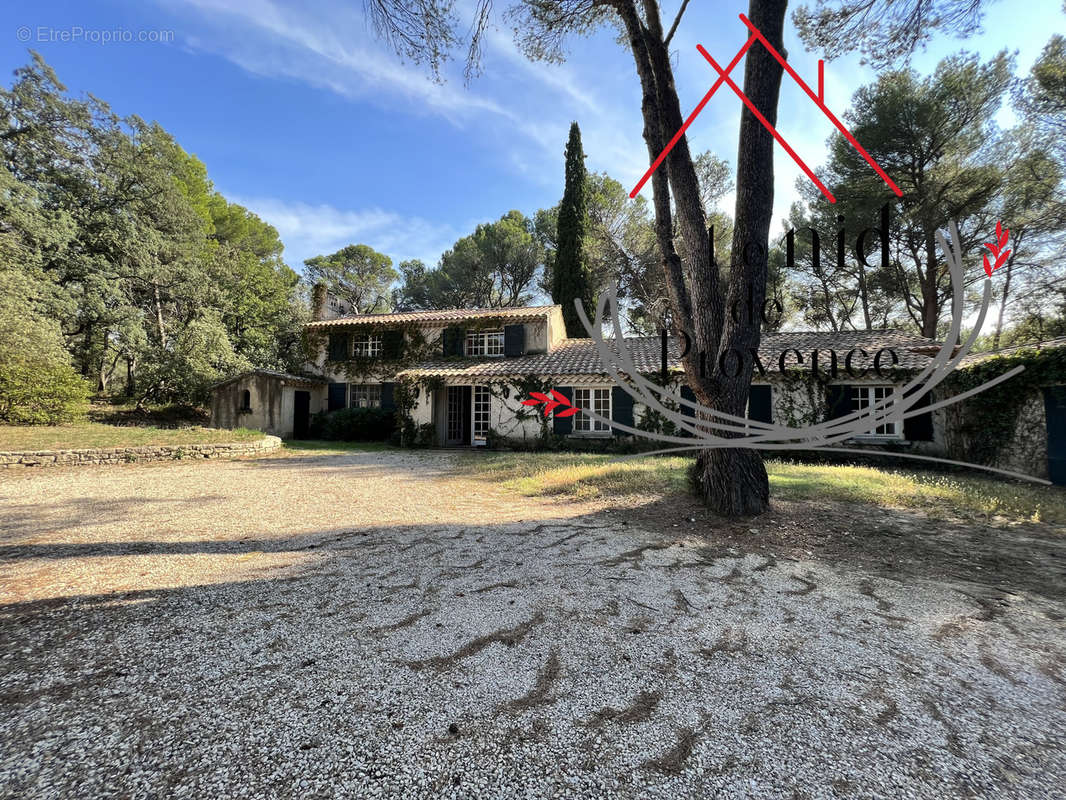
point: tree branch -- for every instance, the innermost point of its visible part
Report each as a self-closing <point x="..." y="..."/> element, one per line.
<point x="677" y="21"/>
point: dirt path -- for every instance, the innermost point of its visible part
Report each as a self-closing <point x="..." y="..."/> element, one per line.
<point x="373" y="625"/>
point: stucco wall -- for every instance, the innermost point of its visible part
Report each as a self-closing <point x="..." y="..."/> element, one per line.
<point x="423" y="408"/>
<point x="503" y="421"/>
<point x="265" y="400"/>
<point x="272" y="402"/>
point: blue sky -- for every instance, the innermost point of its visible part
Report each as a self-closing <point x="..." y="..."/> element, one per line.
<point x="303" y="117"/>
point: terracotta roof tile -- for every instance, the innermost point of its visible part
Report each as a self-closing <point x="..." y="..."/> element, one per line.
<point x="436" y="316"/>
<point x="287" y="376"/>
<point x="579" y="356"/>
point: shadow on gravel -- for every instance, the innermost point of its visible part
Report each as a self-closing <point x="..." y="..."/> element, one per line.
<point x="22" y="519"/>
<point x="891" y="543"/>
<point x="300" y="656"/>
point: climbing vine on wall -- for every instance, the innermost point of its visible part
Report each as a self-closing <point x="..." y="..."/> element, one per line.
<point x="989" y="420"/>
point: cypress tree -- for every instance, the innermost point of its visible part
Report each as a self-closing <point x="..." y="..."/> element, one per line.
<point x="570" y="276"/>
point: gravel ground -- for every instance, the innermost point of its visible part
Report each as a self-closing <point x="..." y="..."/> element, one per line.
<point x="375" y="625"/>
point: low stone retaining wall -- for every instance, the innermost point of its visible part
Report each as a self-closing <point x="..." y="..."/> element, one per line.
<point x="125" y="455"/>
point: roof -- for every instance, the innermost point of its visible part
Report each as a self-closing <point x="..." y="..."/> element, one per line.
<point x="579" y="356"/>
<point x="523" y="314"/>
<point x="270" y="373"/>
<point x="1047" y="344"/>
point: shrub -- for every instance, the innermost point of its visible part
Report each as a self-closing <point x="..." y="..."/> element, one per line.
<point x="35" y="393"/>
<point x="427" y="435"/>
<point x="354" y="425"/>
<point x="38" y="385"/>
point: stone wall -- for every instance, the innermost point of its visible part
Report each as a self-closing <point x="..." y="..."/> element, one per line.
<point x="124" y="455"/>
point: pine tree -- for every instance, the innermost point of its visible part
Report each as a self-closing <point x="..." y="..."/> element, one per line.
<point x="570" y="276"/>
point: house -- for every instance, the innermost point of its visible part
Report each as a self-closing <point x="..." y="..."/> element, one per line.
<point x="459" y="376"/>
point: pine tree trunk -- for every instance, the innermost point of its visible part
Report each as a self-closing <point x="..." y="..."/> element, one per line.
<point x="734" y="482"/>
<point x="930" y="309"/>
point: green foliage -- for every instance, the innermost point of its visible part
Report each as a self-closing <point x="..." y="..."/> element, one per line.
<point x="988" y="420"/>
<point x="426" y="435"/>
<point x="37" y="383"/>
<point x="882" y="30"/>
<point x="354" y="425"/>
<point x="1044" y="100"/>
<point x="129" y="245"/>
<point x="620" y="244"/>
<point x="571" y="281"/>
<point x="200" y="355"/>
<point x="357" y="274"/>
<point x="495" y="267"/>
<point x="936" y="136"/>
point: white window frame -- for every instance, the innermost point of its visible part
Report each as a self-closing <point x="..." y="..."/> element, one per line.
<point x="364" y="395"/>
<point x="865" y="396"/>
<point x="480" y="414"/>
<point x="366" y="345"/>
<point x="488" y="343"/>
<point x="592" y="398"/>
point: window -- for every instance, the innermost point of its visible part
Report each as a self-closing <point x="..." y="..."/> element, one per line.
<point x="246" y="402"/>
<point x="365" y="395"/>
<point x="863" y="397"/>
<point x="596" y="400"/>
<point x="366" y="345"/>
<point x="485" y="343"/>
<point x="481" y="414"/>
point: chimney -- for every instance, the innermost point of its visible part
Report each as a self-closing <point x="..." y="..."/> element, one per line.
<point x="318" y="302"/>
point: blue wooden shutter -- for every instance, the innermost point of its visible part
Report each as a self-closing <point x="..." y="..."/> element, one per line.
<point x="563" y="425"/>
<point x="1055" y="408"/>
<point x="839" y="402"/>
<point x="759" y="407"/>
<point x="388" y="401"/>
<point x="621" y="409"/>
<point x="514" y="340"/>
<point x="392" y="344"/>
<point x="338" y="346"/>
<point x="338" y="396"/>
<point x="453" y="339"/>
<point x="919" y="428"/>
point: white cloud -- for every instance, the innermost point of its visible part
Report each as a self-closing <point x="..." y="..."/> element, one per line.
<point x="329" y="47"/>
<point x="330" y="50"/>
<point x="308" y="230"/>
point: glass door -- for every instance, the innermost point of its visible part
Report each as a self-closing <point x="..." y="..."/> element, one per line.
<point x="481" y="415"/>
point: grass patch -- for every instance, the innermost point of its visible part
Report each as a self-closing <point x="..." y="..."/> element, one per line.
<point x="580" y="475"/>
<point x="84" y="435"/>
<point x="585" y="476"/>
<point x="937" y="493"/>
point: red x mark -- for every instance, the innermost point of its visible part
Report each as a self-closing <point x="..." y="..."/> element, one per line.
<point x="723" y="77"/>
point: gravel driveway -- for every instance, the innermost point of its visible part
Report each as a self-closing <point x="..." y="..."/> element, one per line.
<point x="375" y="624"/>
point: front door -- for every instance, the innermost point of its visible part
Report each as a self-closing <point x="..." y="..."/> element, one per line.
<point x="1055" y="407"/>
<point x="457" y="417"/>
<point x="301" y="415"/>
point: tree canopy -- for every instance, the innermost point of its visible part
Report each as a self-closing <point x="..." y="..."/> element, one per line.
<point x="357" y="274"/>
<point x="496" y="266"/>
<point x="118" y="234"/>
